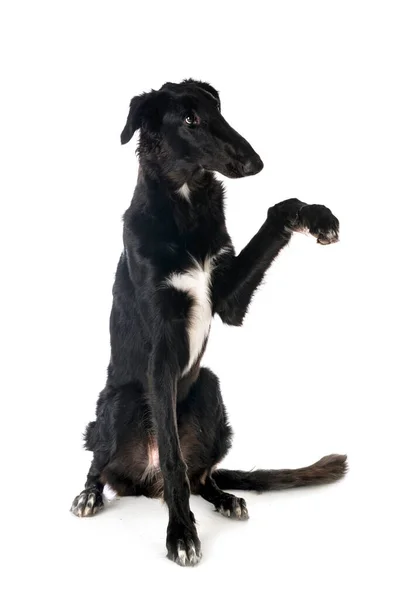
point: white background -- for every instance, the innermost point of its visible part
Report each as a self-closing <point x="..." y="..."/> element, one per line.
<point x="314" y="86"/>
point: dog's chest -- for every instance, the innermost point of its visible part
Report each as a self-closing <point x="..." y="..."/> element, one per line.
<point x="196" y="282"/>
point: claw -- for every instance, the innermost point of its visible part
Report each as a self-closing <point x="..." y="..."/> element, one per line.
<point x="87" y="504"/>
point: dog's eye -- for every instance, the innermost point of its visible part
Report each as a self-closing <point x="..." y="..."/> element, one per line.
<point x="191" y="119"/>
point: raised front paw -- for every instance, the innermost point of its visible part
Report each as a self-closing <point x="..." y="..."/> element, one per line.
<point x="319" y="221"/>
<point x="294" y="215"/>
<point x="183" y="545"/>
<point x="88" y="503"/>
<point x="285" y="214"/>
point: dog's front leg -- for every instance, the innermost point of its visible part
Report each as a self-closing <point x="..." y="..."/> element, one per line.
<point x="237" y="277"/>
<point x="183" y="545"/>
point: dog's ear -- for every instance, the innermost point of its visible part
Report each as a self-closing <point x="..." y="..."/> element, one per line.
<point x="145" y="110"/>
<point x="206" y="87"/>
<point x="135" y="115"/>
<point x="209" y="89"/>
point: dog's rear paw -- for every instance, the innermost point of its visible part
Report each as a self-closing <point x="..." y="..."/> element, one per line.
<point x="234" y="508"/>
<point x="183" y="546"/>
<point x="88" y="503"/>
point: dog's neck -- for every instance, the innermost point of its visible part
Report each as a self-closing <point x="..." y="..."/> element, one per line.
<point x="181" y="180"/>
<point x="186" y="199"/>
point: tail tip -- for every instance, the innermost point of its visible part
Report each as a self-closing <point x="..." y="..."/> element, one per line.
<point x="335" y="466"/>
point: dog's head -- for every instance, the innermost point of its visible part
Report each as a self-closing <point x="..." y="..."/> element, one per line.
<point x="181" y="124"/>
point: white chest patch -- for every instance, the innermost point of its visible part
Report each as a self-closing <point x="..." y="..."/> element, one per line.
<point x="196" y="283"/>
<point x="184" y="191"/>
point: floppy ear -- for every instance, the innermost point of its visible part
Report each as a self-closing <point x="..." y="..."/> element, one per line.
<point x="135" y="116"/>
<point x="145" y="111"/>
<point x="206" y="87"/>
<point x="209" y="89"/>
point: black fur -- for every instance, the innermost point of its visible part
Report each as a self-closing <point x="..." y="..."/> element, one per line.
<point x="152" y="402"/>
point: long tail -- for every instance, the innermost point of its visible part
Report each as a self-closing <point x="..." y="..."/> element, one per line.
<point x="327" y="470"/>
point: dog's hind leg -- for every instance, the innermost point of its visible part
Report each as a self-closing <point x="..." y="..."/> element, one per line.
<point x="118" y="439"/>
<point x="224" y="503"/>
<point x="90" y="500"/>
<point x="205" y="439"/>
<point x="100" y="438"/>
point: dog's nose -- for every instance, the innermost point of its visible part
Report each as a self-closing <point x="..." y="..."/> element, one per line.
<point x="253" y="165"/>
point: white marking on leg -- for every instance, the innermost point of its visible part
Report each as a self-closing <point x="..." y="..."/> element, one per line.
<point x="193" y="558"/>
<point x="81" y="505"/>
<point x="297" y="229"/>
<point x="182" y="555"/>
<point x="331" y="235"/>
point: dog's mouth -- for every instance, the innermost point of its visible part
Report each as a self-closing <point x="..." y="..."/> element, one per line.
<point x="233" y="170"/>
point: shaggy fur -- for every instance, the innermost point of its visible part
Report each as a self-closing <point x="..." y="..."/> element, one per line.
<point x="161" y="426"/>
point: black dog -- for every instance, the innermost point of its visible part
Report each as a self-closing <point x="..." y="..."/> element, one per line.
<point x="161" y="426"/>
